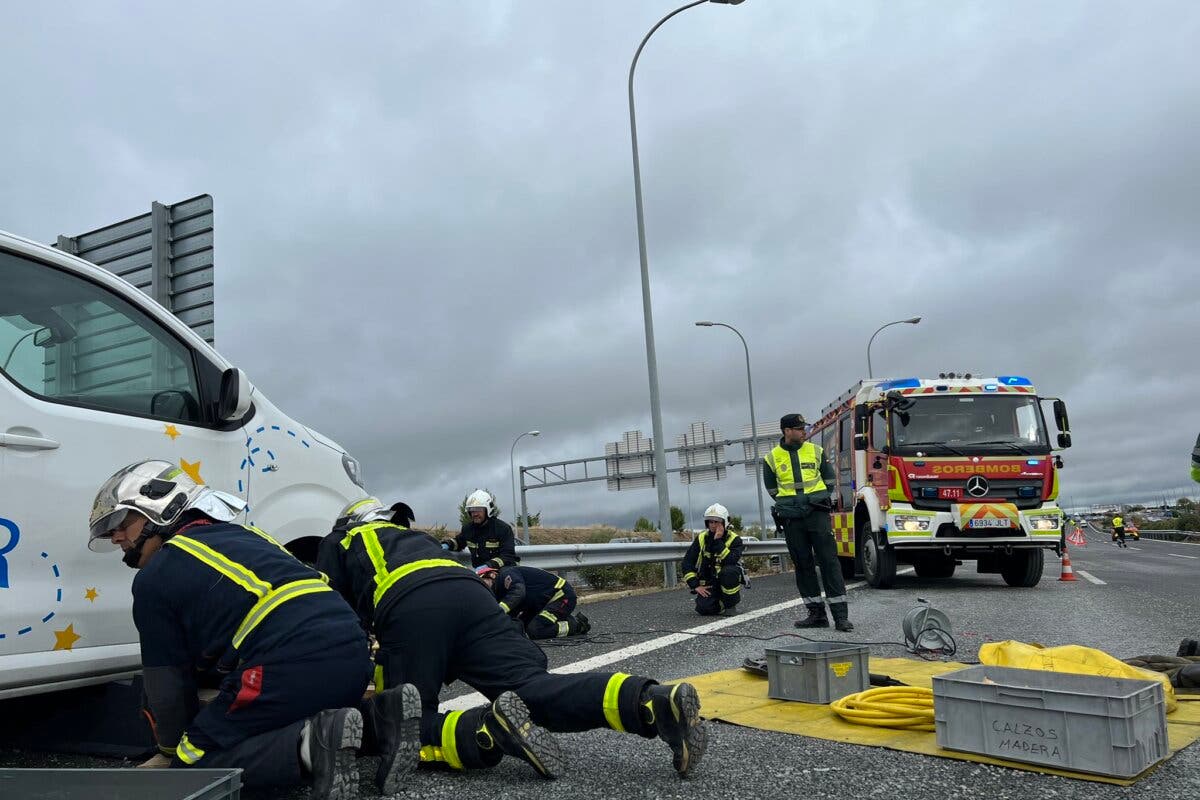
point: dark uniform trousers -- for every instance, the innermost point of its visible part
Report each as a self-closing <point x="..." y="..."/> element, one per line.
<point x="554" y="619"/>
<point x="725" y="592"/>
<point x="447" y="630"/>
<point x="255" y="720"/>
<point x="809" y="536"/>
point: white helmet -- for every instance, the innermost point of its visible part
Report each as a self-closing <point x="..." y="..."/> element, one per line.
<point x="717" y="512"/>
<point x="481" y="499"/>
<point x="360" y="512"/>
<point x="160" y="492"/>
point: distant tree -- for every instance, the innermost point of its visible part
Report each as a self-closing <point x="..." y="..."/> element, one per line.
<point x="464" y="517"/>
<point x="735" y="523"/>
<point x="678" y="520"/>
<point x="644" y="525"/>
<point x="535" y="520"/>
<point x="1184" y="502"/>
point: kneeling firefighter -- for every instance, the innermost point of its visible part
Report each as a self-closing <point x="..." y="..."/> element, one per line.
<point x="212" y="593"/>
<point x="541" y="600"/>
<point x="436" y="622"/>
<point x="712" y="565"/>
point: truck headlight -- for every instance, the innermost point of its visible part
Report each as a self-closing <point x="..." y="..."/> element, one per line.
<point x="353" y="470"/>
<point x="1045" y="523"/>
<point x="912" y="523"/>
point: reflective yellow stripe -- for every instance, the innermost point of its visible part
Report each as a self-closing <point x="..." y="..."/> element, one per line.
<point x="188" y="753"/>
<point x="263" y="534"/>
<point x="230" y="569"/>
<point x="688" y="576"/>
<point x="559" y="594"/>
<point x="612" y="712"/>
<point x="274" y="599"/>
<point x="378" y="679"/>
<point x="810" y="479"/>
<point x="401" y="572"/>
<point x="166" y="751"/>
<point x="734" y="590"/>
<point x="505" y="608"/>
<point x="449" y="745"/>
<point x="349" y="512"/>
<point x="564" y="629"/>
<point x="431" y="753"/>
<point x="375" y="552"/>
<point x="548" y="616"/>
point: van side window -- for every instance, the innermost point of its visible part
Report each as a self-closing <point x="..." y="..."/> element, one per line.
<point x="70" y="341"/>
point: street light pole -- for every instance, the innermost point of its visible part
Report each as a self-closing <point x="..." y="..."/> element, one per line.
<point x="512" y="479"/>
<point x="660" y="455"/>
<point x="910" y="321"/>
<point x="762" y="516"/>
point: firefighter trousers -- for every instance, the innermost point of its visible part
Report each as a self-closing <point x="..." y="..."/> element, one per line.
<point x="454" y="630"/>
<point x="724" y="592"/>
<point x="556" y="619"/>
<point x="810" y="544"/>
<point x="256" y="718"/>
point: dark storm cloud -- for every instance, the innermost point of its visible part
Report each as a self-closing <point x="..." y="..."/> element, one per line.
<point x="425" y="229"/>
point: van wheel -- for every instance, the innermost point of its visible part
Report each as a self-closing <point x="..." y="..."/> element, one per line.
<point x="1023" y="568"/>
<point x="934" y="566"/>
<point x="879" y="563"/>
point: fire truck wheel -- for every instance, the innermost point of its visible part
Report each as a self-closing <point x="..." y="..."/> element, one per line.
<point x="1023" y="568"/>
<point x="879" y="563"/>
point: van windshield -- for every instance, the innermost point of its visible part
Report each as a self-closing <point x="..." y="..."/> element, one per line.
<point x="958" y="424"/>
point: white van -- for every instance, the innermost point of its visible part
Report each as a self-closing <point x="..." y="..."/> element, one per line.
<point x="95" y="375"/>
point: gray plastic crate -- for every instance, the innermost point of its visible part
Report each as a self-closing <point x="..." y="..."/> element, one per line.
<point x="1086" y="723"/>
<point x="817" y="672"/>
<point x="121" y="784"/>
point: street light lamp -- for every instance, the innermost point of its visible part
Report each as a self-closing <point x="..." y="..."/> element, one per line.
<point x="512" y="479"/>
<point x="911" y="321"/>
<point x="660" y="455"/>
<point x="762" y="516"/>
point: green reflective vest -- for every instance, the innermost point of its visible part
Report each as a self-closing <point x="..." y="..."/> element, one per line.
<point x="779" y="461"/>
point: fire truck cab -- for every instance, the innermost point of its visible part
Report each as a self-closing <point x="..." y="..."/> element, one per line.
<point x="935" y="472"/>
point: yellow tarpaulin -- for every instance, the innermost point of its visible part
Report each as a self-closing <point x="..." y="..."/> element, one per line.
<point x="740" y="698"/>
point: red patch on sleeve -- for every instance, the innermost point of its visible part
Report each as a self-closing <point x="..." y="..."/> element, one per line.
<point x="251" y="688"/>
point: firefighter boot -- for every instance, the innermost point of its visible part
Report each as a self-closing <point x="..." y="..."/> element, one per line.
<point x="816" y="617"/>
<point x="328" y="743"/>
<point x="584" y="625"/>
<point x="396" y="714"/>
<point x="841" y="617"/>
<point x="507" y="726"/>
<point x="674" y="711"/>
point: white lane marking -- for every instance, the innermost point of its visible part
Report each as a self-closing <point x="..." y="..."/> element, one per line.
<point x="632" y="651"/>
<point x="1167" y="541"/>
<point x="1089" y="576"/>
<point x="1177" y="555"/>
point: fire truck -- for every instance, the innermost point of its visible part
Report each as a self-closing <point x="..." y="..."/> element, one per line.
<point x="937" y="472"/>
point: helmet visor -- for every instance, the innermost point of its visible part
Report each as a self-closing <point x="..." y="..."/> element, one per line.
<point x="101" y="531"/>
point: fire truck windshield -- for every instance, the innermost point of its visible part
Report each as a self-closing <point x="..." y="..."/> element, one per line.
<point x="977" y="422"/>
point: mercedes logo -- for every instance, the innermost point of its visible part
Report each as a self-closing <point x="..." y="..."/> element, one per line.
<point x="977" y="486"/>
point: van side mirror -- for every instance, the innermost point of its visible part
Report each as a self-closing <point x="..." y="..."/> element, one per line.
<point x="234" y="400"/>
<point x="1064" y="440"/>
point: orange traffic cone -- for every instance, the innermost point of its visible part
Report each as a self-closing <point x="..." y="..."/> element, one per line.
<point x="1068" y="574"/>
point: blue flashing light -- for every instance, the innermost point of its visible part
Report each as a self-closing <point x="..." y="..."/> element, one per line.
<point x="929" y="491"/>
<point x="1033" y="462"/>
<point x="900" y="383"/>
<point x="990" y="387"/>
<point x="1014" y="380"/>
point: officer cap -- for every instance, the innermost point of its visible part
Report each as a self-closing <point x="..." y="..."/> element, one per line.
<point x="791" y="421"/>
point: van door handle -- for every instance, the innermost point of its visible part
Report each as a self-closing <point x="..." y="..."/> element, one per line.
<point x="28" y="442"/>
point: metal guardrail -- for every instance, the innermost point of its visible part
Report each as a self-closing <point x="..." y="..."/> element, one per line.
<point x="1167" y="535"/>
<point x="570" y="556"/>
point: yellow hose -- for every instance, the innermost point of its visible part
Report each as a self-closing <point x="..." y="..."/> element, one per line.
<point x="907" y="707"/>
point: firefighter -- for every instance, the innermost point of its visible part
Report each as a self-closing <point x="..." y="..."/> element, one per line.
<point x="1118" y="524"/>
<point x="540" y="600"/>
<point x="435" y="622"/>
<point x="489" y="538"/>
<point x="797" y="475"/>
<point x="712" y="566"/>
<point x="1196" y="461"/>
<point x="212" y="593"/>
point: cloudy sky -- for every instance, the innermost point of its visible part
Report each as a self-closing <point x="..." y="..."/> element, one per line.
<point x="426" y="239"/>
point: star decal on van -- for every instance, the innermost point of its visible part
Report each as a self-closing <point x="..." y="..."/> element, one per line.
<point x="192" y="468"/>
<point x="91" y="594"/>
<point x="66" y="638"/>
<point x="171" y="430"/>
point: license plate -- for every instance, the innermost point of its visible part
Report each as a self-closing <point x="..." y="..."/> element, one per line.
<point x="950" y="492"/>
<point x="991" y="522"/>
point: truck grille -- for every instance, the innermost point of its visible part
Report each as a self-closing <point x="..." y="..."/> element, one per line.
<point x="1002" y="491"/>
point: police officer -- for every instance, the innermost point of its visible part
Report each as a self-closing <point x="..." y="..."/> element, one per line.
<point x="712" y="565"/>
<point x="1118" y="523"/>
<point x="435" y="622"/>
<point x="1196" y="461"/>
<point x="540" y="600"/>
<point x="212" y="593"/>
<point x="797" y="475"/>
<point x="489" y="538"/>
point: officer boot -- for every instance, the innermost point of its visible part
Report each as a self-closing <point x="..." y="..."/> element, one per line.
<point x="841" y="617"/>
<point x="328" y="743"/>
<point x="674" y="711"/>
<point x="816" y="617"/>
<point x="583" y="625"/>
<point x="396" y="718"/>
<point x="506" y="726"/>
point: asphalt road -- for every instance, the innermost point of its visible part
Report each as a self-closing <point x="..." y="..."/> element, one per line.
<point x="1127" y="602"/>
